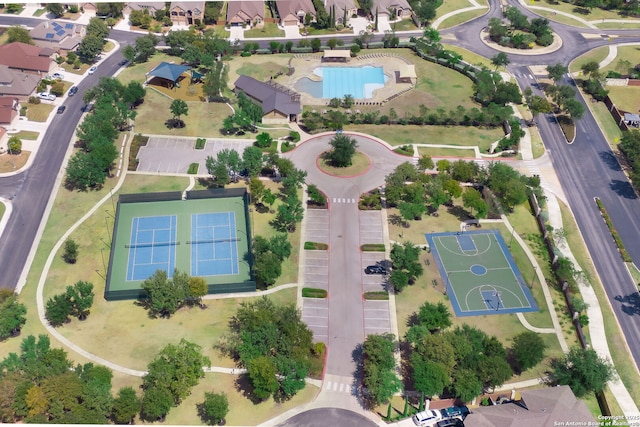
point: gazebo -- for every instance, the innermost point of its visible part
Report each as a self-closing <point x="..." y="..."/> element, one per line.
<point x="168" y="71"/>
<point x="338" y="55"/>
<point x="407" y="73"/>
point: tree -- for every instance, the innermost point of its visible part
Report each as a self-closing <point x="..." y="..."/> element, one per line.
<point x="556" y="72"/>
<point x="267" y="268"/>
<point x="582" y="370"/>
<point x="429" y="377"/>
<point x="263" y="140"/>
<point x="472" y="199"/>
<point x="129" y="53"/>
<point x="434" y="317"/>
<point x="126" y="406"/>
<point x="539" y="104"/>
<point x="156" y="404"/>
<point x="97" y="27"/>
<point x="14" y="145"/>
<point x="316" y="44"/>
<point x="145" y="47"/>
<point x="344" y="148"/>
<point x="500" y="60"/>
<point x="164" y="296"/>
<point x="379" y="368"/>
<point x="574" y="108"/>
<point x="262" y="372"/>
<point x="18" y="34"/>
<point x="425" y="162"/>
<point x="197" y="289"/>
<point x="214" y="408"/>
<point x="411" y="211"/>
<point x="288" y="215"/>
<point x="56" y="9"/>
<point x="528" y="350"/>
<point x="81" y="297"/>
<point x="252" y="160"/>
<point x="179" y="108"/>
<point x="12" y="316"/>
<point x="58" y="309"/>
<point x="366" y="6"/>
<point x="90" y="47"/>
<point x="280" y="246"/>
<point x="466" y="384"/>
<point x="405" y="259"/>
<point x="591" y="69"/>
<point x="70" y="255"/>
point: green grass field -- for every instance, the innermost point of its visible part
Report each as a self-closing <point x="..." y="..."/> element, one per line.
<point x="27" y="134"/>
<point x="269" y="30"/>
<point x="586" y="14"/>
<point x="562" y="19"/>
<point x="625" y="53"/>
<point x="597" y="54"/>
<point x="38" y="112"/>
<point x="463" y="136"/>
<point x="460" y="18"/>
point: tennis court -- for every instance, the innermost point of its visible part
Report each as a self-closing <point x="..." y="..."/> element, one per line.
<point x="198" y="235"/>
<point x="480" y="274"/>
<point x="214" y="248"/>
<point x="152" y="246"/>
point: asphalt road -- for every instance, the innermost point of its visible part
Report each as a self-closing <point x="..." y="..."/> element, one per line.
<point x="323" y="417"/>
<point x="30" y="191"/>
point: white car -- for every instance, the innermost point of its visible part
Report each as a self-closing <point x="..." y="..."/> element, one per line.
<point x="427" y="417"/>
<point x="46" y="96"/>
<point x="93" y="69"/>
<point x="57" y="76"/>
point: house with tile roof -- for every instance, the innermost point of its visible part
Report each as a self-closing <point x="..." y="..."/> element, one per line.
<point x="541" y="407"/>
<point x="249" y="13"/>
<point x="279" y="104"/>
<point x="186" y="13"/>
<point x="293" y="12"/>
<point x="151" y="7"/>
<point x="399" y="8"/>
<point x="57" y="35"/>
<point x="27" y="58"/>
<point x="16" y="83"/>
<point x="343" y="7"/>
<point x="9" y="109"/>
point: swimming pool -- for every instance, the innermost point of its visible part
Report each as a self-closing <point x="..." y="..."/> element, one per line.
<point x="359" y="82"/>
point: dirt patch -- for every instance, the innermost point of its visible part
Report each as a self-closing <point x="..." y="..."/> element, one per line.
<point x="13" y="162"/>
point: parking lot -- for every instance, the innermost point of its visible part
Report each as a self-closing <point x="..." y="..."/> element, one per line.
<point x="371" y="227"/>
<point x="317" y="226"/>
<point x="174" y="155"/>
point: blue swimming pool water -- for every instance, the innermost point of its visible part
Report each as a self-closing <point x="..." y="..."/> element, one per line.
<point x="359" y="82"/>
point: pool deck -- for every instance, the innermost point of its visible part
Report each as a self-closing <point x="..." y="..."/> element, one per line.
<point x="304" y="65"/>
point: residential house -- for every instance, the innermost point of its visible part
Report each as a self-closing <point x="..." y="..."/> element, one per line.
<point x="27" y="58"/>
<point x="392" y="8"/>
<point x="9" y="109"/>
<point x="186" y="13"/>
<point x="343" y="8"/>
<point x="280" y="105"/>
<point x="89" y="8"/>
<point x="151" y="7"/>
<point x="15" y="83"/>
<point x="249" y="13"/>
<point x="57" y="35"/>
<point x="4" y="139"/>
<point x="541" y="407"/>
<point x="293" y="12"/>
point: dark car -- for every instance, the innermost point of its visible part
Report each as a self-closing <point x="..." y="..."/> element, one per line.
<point x="61" y="109"/>
<point x="73" y="90"/>
<point x="455" y="412"/>
<point x="375" y="269"/>
<point x="450" y="423"/>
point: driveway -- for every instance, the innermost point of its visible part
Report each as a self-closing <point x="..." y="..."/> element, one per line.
<point x="174" y="155"/>
<point x="291" y="32"/>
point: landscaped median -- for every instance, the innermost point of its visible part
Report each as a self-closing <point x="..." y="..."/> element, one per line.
<point x="372" y="247"/>
<point x="315" y="246"/>
<point x="314" y="293"/>
<point x="616" y="237"/>
<point x="376" y="296"/>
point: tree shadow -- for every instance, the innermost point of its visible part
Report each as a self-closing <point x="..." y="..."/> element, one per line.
<point x="581" y="10"/>
<point x="174" y="124"/>
<point x="398" y="221"/>
<point x="413" y="319"/>
<point x="357" y="388"/>
<point x="243" y="385"/>
<point x="610" y="160"/>
<point x="630" y="303"/>
<point x="623" y="189"/>
<point x="459" y="212"/>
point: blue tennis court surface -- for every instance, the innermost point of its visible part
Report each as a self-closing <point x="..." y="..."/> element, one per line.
<point x="214" y="247"/>
<point x="152" y="246"/>
<point x="466" y="243"/>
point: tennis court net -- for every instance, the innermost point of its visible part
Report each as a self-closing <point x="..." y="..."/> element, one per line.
<point x="198" y="242"/>
<point x="151" y="245"/>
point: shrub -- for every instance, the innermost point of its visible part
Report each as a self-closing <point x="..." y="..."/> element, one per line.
<point x="314" y="293"/>
<point x="138" y="141"/>
<point x="34" y="100"/>
<point x="193" y="168"/>
<point x="15" y="145"/>
<point x="70" y="255"/>
<point x="200" y="143"/>
<point x="376" y="295"/>
<point x="315" y="246"/>
<point x="57" y="89"/>
<point x="372" y="247"/>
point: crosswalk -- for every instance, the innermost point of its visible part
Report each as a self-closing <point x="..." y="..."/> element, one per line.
<point x="340" y="387"/>
<point x="347" y="200"/>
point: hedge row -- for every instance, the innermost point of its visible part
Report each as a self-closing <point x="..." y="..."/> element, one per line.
<point x="314" y="293"/>
<point x="315" y="246"/>
<point x="614" y="232"/>
<point x="372" y="247"/>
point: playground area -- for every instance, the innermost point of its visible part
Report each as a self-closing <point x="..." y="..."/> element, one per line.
<point x="479" y="273"/>
<point x="206" y="235"/>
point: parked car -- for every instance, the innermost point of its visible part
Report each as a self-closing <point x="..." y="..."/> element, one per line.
<point x="46" y="96"/>
<point x="73" y="90"/>
<point x="427" y="417"/>
<point x="61" y="109"/>
<point x="57" y="76"/>
<point x="455" y="412"/>
<point x="93" y="69"/>
<point x="375" y="269"/>
<point x="453" y="422"/>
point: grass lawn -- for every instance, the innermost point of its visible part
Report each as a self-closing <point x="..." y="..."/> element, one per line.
<point x="597" y="54"/>
<point x="446" y="152"/>
<point x="27" y="134"/>
<point x="460" y="18"/>
<point x="606" y="123"/>
<point x="38" y="112"/>
<point x="625" y="53"/>
<point x="404" y="25"/>
<point x="621" y="359"/>
<point x="241" y="410"/>
<point x="562" y="19"/>
<point x="626" y="98"/>
<point x="13" y="162"/>
<point x="262" y="70"/>
<point x="270" y="29"/>
<point x="450" y="6"/>
<point x="463" y="136"/>
<point x="470" y="57"/>
<point x="586" y="14"/>
<point x="617" y="25"/>
<point x="3" y="209"/>
<point x="359" y="164"/>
